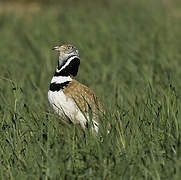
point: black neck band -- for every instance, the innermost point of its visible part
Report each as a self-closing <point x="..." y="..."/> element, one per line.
<point x="58" y="87"/>
<point x="70" y="69"/>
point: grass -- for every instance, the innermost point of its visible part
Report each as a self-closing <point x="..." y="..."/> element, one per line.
<point x="130" y="56"/>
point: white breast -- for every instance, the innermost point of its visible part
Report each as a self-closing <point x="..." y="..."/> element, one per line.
<point x="63" y="105"/>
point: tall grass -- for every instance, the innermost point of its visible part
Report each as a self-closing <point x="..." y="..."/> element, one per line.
<point x="130" y="56"/>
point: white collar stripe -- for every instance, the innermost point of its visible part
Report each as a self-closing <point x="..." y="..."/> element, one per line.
<point x="60" y="79"/>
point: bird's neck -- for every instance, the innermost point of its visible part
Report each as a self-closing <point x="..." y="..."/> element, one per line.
<point x="64" y="73"/>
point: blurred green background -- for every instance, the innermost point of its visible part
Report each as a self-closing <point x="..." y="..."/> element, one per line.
<point x="130" y="54"/>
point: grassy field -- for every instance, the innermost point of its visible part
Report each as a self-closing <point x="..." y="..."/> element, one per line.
<point x="130" y="56"/>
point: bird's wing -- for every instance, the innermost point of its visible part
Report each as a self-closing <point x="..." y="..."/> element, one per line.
<point x="84" y="97"/>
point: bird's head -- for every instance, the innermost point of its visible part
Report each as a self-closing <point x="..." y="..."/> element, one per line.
<point x="69" y="60"/>
<point x="66" y="51"/>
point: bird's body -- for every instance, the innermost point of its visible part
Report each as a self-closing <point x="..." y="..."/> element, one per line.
<point x="67" y="96"/>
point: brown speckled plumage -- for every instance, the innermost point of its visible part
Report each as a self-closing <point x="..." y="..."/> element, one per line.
<point x="83" y="96"/>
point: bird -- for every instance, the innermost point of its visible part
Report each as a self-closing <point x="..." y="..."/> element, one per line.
<point x="68" y="97"/>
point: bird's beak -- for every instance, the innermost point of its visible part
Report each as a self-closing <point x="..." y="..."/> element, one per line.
<point x="56" y="48"/>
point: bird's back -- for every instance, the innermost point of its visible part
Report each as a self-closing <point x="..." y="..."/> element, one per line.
<point x="84" y="97"/>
